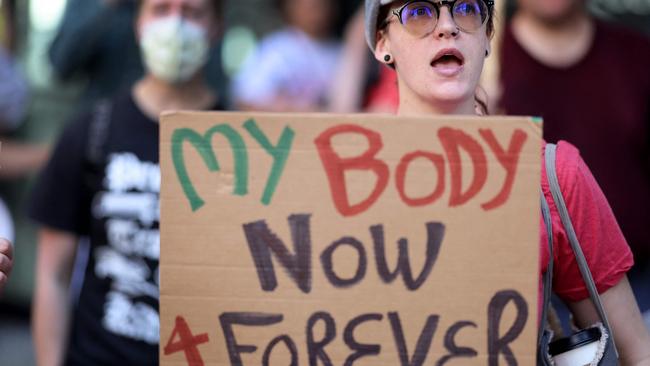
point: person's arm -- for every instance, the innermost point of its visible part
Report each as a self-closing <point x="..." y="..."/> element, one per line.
<point x="18" y="159"/>
<point x="6" y="263"/>
<point x="51" y="307"/>
<point x="346" y="92"/>
<point x="607" y="254"/>
<point x="630" y="333"/>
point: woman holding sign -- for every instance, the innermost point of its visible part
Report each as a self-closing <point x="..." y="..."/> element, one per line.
<point x="438" y="50"/>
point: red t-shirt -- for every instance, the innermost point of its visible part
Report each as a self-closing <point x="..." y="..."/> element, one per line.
<point x="605" y="249"/>
<point x="383" y="95"/>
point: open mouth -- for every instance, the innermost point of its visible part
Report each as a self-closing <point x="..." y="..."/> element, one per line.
<point x="450" y="57"/>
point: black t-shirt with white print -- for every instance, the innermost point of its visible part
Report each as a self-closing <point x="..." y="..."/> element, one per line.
<point x="113" y="201"/>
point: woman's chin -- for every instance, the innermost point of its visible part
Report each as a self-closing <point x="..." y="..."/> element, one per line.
<point x="449" y="95"/>
<point x="446" y="95"/>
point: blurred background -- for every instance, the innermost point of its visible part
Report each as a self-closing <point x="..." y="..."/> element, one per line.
<point x="49" y="88"/>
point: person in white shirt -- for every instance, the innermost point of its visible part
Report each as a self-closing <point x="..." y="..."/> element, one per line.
<point x="291" y="70"/>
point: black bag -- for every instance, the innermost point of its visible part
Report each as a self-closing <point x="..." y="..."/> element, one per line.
<point x="607" y="354"/>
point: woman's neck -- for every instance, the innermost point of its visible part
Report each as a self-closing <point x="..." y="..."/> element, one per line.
<point x="154" y="96"/>
<point x="414" y="105"/>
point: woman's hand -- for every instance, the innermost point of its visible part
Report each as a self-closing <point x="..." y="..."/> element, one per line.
<point x="6" y="261"/>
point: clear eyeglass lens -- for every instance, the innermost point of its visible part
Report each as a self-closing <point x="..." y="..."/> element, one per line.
<point x="421" y="17"/>
<point x="469" y="15"/>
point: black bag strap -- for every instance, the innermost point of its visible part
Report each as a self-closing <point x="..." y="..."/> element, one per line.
<point x="548" y="276"/>
<point x="98" y="131"/>
<point x="550" y="158"/>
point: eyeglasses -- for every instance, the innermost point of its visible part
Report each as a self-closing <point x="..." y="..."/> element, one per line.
<point x="421" y="17"/>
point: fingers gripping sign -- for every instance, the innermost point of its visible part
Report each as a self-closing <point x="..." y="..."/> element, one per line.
<point x="6" y="262"/>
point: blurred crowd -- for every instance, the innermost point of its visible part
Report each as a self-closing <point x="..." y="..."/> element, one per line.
<point x="576" y="63"/>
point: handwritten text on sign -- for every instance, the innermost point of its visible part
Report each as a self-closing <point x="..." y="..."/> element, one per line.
<point x="453" y="141"/>
<point x="305" y="272"/>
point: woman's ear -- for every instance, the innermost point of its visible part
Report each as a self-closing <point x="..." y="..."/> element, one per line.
<point x="382" y="48"/>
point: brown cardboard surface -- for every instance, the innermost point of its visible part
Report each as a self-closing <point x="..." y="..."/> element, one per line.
<point x="333" y="299"/>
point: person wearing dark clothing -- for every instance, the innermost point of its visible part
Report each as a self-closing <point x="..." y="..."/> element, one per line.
<point x="102" y="184"/>
<point x="602" y="105"/>
<point x="597" y="98"/>
<point x="121" y="220"/>
<point x="590" y="81"/>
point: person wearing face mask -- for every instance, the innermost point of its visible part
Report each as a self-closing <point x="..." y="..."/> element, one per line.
<point x="101" y="187"/>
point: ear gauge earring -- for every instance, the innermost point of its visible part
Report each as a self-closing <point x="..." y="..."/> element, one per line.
<point x="387" y="58"/>
<point x="487" y="53"/>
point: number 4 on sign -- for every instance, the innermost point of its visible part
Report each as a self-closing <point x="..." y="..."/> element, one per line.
<point x="186" y="342"/>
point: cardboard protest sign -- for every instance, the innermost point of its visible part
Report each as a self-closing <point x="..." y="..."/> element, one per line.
<point x="348" y="240"/>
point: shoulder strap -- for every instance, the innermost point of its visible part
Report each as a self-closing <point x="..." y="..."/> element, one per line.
<point x="550" y="157"/>
<point x="548" y="276"/>
<point x="98" y="131"/>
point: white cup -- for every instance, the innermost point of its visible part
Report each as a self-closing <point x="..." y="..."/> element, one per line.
<point x="580" y="356"/>
<point x="580" y="349"/>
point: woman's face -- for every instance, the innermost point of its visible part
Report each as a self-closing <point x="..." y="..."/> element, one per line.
<point x="438" y="71"/>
